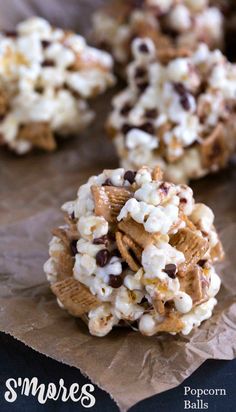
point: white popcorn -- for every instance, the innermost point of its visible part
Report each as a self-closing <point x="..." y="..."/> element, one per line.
<point x="92" y="226"/>
<point x="136" y="138"/>
<point x="179" y="18"/>
<point x="198" y="315"/>
<point x="203" y="217"/>
<point x="101" y="320"/>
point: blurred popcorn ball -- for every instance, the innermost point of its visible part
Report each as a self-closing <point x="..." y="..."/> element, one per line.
<point x="175" y="23"/>
<point x="136" y="251"/>
<point x="46" y="76"/>
<point x="177" y="111"/>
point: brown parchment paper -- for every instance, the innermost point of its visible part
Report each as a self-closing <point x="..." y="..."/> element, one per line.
<point x="128" y="366"/>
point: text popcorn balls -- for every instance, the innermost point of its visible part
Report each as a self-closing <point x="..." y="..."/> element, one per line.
<point x="46" y="76"/>
<point x="170" y="23"/>
<point x="177" y="112"/>
<point x="135" y="250"/>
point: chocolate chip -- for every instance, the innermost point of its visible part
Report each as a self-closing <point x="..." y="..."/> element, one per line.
<point x="48" y="63"/>
<point x="2" y="117"/>
<point x="45" y="43"/>
<point x="10" y="33"/>
<point x="126" y="128"/>
<point x="183" y="93"/>
<point x="125" y="109"/>
<point x="116" y="253"/>
<point x="115" y="281"/>
<point x="103" y="240"/>
<point x="73" y="247"/>
<point x="108" y="182"/>
<point x="180" y="89"/>
<point x="142" y="86"/>
<point x="103" y="257"/>
<point x="184" y="101"/>
<point x="143" y="48"/>
<point x="170" y="269"/>
<point x="140" y="72"/>
<point x="151" y="113"/>
<point x="183" y="200"/>
<point x="72" y="216"/>
<point x="130" y="176"/>
<point x="202" y="262"/>
<point x="148" y="128"/>
<point x="164" y="187"/>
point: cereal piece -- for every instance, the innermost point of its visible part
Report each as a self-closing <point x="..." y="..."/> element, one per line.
<point x="129" y="250"/>
<point x="137" y="233"/>
<point x="139" y="253"/>
<point x="75" y="297"/>
<point x="4" y="102"/>
<point x="157" y="174"/>
<point x="193" y="246"/>
<point x="109" y="201"/>
<point x="171" y="324"/>
<point x="191" y="284"/>
<point x="39" y="134"/>
<point x="215" y="152"/>
<point x="48" y="75"/>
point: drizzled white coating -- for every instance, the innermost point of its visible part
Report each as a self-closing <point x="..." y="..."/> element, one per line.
<point x="152" y="280"/>
<point x="49" y="73"/>
<point x="182" y="114"/>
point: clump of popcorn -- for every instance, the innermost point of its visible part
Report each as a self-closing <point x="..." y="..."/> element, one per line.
<point x="136" y="251"/>
<point x="168" y="23"/>
<point x="177" y="112"/>
<point x="46" y="76"/>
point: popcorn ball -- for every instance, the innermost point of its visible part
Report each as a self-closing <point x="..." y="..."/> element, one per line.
<point x="46" y="76"/>
<point x="178" y="111"/>
<point x="135" y="251"/>
<point x="169" y="23"/>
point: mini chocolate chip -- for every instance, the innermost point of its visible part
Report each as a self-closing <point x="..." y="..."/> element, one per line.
<point x="184" y="100"/>
<point x="143" y="48"/>
<point x="73" y="246"/>
<point x="115" y="253"/>
<point x="140" y="72"/>
<point x="103" y="257"/>
<point x="202" y="262"/>
<point x="164" y="187"/>
<point x="130" y="176"/>
<point x="72" y="216"/>
<point x="108" y="182"/>
<point x="142" y="86"/>
<point x="103" y="240"/>
<point x="125" y="109"/>
<point x="170" y="269"/>
<point x="148" y="128"/>
<point x="180" y="89"/>
<point x="126" y="128"/>
<point x="48" y="63"/>
<point x="10" y="33"/>
<point x="115" y="281"/>
<point x="45" y="43"/>
<point x="151" y="113"/>
<point x="183" y="200"/>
